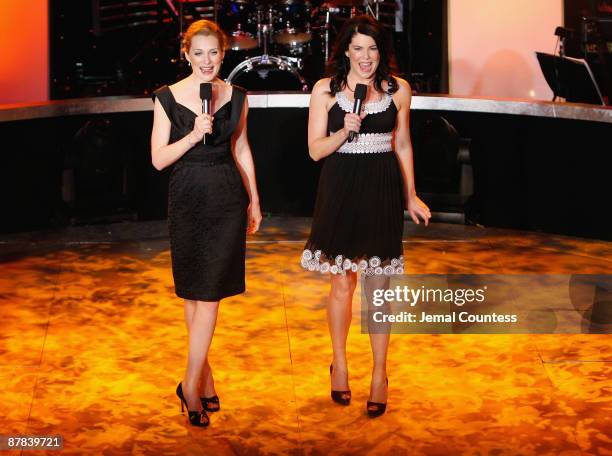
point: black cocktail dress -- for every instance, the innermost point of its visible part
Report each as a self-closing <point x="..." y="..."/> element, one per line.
<point x="359" y="211"/>
<point x="207" y="205"/>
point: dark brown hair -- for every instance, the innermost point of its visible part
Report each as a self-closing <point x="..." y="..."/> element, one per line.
<point x="339" y="64"/>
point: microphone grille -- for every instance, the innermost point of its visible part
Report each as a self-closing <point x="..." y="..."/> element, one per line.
<point x="360" y="91"/>
<point x="205" y="90"/>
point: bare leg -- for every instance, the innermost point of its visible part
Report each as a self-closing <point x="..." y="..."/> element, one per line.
<point x="339" y="315"/>
<point x="207" y="382"/>
<point x="190" y="307"/>
<point x="206" y="387"/>
<point x="379" y="341"/>
<point x="201" y="330"/>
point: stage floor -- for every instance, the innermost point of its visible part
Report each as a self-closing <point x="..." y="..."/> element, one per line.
<point x="93" y="344"/>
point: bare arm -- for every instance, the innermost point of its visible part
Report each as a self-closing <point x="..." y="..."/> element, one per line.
<point x="244" y="161"/>
<point x="403" y="150"/>
<point x="319" y="144"/>
<point x="164" y="154"/>
<point x="403" y="145"/>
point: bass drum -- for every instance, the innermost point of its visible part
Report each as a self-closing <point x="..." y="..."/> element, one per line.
<point x="267" y="73"/>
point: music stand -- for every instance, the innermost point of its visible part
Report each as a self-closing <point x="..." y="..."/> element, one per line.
<point x="570" y="78"/>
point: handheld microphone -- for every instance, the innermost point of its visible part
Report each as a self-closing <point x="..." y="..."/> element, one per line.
<point x="361" y="91"/>
<point x="206" y="96"/>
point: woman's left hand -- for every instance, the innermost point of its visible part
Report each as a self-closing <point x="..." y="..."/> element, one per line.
<point x="254" y="218"/>
<point x="417" y="208"/>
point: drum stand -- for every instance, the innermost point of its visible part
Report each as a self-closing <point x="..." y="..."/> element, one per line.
<point x="375" y="13"/>
<point x="264" y="30"/>
<point x="326" y="35"/>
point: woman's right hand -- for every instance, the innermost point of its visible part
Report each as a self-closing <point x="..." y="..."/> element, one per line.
<point x="352" y="122"/>
<point x="203" y="125"/>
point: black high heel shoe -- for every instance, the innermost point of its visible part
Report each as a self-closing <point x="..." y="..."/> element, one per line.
<point x="376" y="409"/>
<point x="340" y="397"/>
<point x="207" y="401"/>
<point x="196" y="418"/>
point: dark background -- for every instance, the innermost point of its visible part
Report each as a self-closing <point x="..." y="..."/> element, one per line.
<point x="591" y="23"/>
<point x="96" y="50"/>
<point x="530" y="173"/>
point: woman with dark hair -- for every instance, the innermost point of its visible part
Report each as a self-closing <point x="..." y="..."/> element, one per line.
<point x="363" y="189"/>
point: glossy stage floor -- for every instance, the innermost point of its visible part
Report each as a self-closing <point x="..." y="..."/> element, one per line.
<point x="93" y="343"/>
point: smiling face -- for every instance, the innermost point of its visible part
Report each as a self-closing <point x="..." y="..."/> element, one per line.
<point x="363" y="55"/>
<point x="205" y="55"/>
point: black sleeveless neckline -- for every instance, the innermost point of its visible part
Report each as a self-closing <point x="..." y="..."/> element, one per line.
<point x="382" y="121"/>
<point x="182" y="120"/>
<point x="228" y="103"/>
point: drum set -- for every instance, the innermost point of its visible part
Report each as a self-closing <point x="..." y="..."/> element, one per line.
<point x="279" y="44"/>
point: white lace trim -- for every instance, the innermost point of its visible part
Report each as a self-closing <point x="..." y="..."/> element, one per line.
<point x="368" y="143"/>
<point x="313" y="262"/>
<point x="369" y="108"/>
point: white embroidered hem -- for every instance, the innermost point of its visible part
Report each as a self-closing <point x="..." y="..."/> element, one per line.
<point x="312" y="261"/>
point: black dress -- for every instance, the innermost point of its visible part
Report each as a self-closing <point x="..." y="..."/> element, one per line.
<point x="359" y="211"/>
<point x="207" y="205"/>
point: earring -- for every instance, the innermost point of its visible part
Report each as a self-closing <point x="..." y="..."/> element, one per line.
<point x="188" y="63"/>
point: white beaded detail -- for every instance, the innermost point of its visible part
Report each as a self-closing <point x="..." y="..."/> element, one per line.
<point x="373" y="107"/>
<point x="340" y="264"/>
<point x="368" y="143"/>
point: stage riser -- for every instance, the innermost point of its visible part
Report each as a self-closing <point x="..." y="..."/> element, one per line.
<point x="543" y="174"/>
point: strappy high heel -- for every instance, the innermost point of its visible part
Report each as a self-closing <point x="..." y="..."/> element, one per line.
<point x="376" y="409"/>
<point x="196" y="418"/>
<point x="207" y="401"/>
<point x="339" y="397"/>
